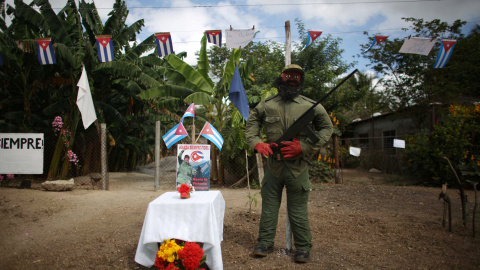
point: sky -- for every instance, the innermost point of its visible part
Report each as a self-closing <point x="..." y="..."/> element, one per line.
<point x="186" y="20"/>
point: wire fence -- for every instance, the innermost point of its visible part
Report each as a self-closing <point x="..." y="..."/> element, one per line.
<point x="67" y="156"/>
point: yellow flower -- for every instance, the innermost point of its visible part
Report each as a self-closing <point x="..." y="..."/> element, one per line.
<point x="472" y="158"/>
<point x="478" y="163"/>
<point x="319" y="157"/>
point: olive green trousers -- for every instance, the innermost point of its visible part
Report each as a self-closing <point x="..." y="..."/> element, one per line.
<point x="297" y="190"/>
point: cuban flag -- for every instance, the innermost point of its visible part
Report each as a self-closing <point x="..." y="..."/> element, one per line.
<point x="377" y="40"/>
<point x="105" y="48"/>
<point x="46" y="55"/>
<point x="190" y="112"/>
<point x="312" y="35"/>
<point x="197" y="156"/>
<point x="444" y="53"/>
<point x="212" y="135"/>
<point x="174" y="135"/>
<point x="215" y="37"/>
<point x="164" y="44"/>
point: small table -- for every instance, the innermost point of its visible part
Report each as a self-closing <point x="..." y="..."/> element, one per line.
<point x="197" y="219"/>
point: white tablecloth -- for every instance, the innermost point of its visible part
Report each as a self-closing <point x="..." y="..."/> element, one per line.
<point x="197" y="219"/>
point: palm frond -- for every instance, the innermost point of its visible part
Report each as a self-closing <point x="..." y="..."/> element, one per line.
<point x="166" y="90"/>
<point x="128" y="34"/>
<point x="138" y="50"/>
<point x="193" y="79"/>
<point x="56" y="26"/>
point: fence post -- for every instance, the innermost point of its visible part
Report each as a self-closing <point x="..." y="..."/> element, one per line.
<point x="157" y="155"/>
<point x="104" y="166"/>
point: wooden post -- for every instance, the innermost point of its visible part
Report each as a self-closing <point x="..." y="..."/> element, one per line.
<point x="157" y="155"/>
<point x="104" y="165"/>
<point x="193" y="132"/>
<point x="288" y="61"/>
<point x="260" y="167"/>
<point x="338" y="178"/>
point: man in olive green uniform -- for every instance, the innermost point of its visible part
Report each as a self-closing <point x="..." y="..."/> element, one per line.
<point x="184" y="174"/>
<point x="287" y="167"/>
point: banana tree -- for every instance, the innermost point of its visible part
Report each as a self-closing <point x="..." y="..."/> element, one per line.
<point x="196" y="86"/>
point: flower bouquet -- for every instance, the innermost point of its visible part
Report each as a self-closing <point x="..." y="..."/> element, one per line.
<point x="185" y="190"/>
<point x="177" y="254"/>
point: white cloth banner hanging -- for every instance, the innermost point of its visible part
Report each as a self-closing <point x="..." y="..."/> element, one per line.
<point x="355" y="151"/>
<point x="237" y="39"/>
<point x="398" y="143"/>
<point x="418" y="45"/>
<point x="85" y="101"/>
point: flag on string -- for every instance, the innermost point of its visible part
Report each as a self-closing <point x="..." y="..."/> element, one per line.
<point x="164" y="44"/>
<point x="237" y="94"/>
<point x="377" y="40"/>
<point x="45" y="52"/>
<point x="312" y="35"/>
<point x="212" y="135"/>
<point x="174" y="135"/>
<point x="190" y="112"/>
<point x="105" y="48"/>
<point x="84" y="101"/>
<point x="444" y="53"/>
<point x="1" y="61"/>
<point x="215" y="37"/>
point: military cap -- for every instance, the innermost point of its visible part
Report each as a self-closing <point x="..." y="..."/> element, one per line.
<point x="293" y="67"/>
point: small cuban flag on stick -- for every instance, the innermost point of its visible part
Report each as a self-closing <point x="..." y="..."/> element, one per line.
<point x="377" y="40"/>
<point x="105" y="48"/>
<point x="174" y="135"/>
<point x="164" y="44"/>
<point x="46" y="55"/>
<point x="444" y="53"/>
<point x="209" y="132"/>
<point x="215" y="37"/>
<point x="312" y="35"/>
<point x="190" y="112"/>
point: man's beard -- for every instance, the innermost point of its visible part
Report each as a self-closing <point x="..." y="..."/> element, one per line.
<point x="286" y="90"/>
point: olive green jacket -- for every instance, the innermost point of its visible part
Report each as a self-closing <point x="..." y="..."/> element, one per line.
<point x="276" y="115"/>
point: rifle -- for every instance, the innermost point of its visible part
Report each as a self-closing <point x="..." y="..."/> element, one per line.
<point x="302" y="123"/>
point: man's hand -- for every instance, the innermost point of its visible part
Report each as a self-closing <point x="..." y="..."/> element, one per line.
<point x="291" y="149"/>
<point x="265" y="149"/>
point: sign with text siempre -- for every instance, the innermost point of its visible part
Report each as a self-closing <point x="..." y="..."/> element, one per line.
<point x="21" y="153"/>
<point x="198" y="158"/>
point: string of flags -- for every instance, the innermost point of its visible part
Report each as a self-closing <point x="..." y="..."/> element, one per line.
<point x="178" y="132"/>
<point x="239" y="38"/>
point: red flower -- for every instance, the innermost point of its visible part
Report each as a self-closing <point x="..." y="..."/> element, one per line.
<point x="191" y="256"/>
<point x="184" y="188"/>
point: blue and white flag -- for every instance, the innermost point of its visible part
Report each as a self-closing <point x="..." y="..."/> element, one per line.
<point x="237" y="94"/>
<point x="376" y="40"/>
<point x="444" y="53"/>
<point x="105" y="48"/>
<point x="312" y="35"/>
<point x="45" y="52"/>
<point x="174" y="135"/>
<point x="164" y="44"/>
<point x="212" y="135"/>
<point x="190" y="112"/>
<point x="215" y="37"/>
<point x="1" y="61"/>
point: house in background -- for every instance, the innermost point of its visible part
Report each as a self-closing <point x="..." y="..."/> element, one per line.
<point x="377" y="133"/>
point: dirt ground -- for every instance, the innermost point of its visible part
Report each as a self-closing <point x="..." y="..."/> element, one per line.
<point x="369" y="222"/>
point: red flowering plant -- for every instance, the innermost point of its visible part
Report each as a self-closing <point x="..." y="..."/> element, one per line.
<point x="177" y="254"/>
<point x="185" y="190"/>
